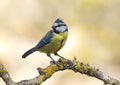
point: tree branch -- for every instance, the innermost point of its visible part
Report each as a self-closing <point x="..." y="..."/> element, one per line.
<point x="62" y="64"/>
<point x="5" y="76"/>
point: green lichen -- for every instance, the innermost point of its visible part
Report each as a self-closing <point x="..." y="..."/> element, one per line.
<point x="78" y="66"/>
<point x="82" y="67"/>
<point x="3" y="71"/>
<point x="41" y="78"/>
<point x="109" y="84"/>
<point x="95" y="70"/>
<point x="50" y="70"/>
<point x="86" y="67"/>
<point x="61" y="62"/>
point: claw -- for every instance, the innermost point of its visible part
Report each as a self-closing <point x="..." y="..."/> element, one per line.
<point x="53" y="62"/>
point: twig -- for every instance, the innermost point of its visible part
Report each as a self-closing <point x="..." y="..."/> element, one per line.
<point x="62" y="64"/>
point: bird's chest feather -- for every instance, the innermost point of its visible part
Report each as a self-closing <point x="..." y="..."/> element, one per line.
<point x="59" y="40"/>
<point x="56" y="43"/>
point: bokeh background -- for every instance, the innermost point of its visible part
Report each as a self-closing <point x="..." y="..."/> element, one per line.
<point x="94" y="37"/>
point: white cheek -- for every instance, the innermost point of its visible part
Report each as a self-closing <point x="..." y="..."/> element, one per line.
<point x="61" y="29"/>
<point x="55" y="24"/>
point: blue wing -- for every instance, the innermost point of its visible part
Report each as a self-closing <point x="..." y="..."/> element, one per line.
<point x="45" y="40"/>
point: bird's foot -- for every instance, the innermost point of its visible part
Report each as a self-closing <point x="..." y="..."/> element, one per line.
<point x="54" y="62"/>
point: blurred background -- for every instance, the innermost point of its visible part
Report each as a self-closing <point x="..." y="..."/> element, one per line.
<point x="94" y="37"/>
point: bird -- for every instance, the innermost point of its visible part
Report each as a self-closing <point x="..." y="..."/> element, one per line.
<point x="53" y="40"/>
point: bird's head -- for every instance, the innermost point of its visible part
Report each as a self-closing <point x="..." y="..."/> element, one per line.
<point x="59" y="26"/>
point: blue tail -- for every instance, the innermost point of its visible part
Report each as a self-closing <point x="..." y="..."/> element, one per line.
<point x="28" y="52"/>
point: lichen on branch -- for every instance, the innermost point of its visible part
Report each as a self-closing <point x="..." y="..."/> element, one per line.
<point x="62" y="64"/>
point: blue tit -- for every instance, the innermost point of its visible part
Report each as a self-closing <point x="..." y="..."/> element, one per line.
<point x="53" y="41"/>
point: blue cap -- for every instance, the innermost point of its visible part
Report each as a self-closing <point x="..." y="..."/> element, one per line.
<point x="58" y="21"/>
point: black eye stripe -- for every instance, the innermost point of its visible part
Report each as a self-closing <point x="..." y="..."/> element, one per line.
<point x="60" y="25"/>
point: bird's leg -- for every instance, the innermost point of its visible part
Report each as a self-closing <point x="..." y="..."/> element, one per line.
<point x="51" y="58"/>
<point x="58" y="55"/>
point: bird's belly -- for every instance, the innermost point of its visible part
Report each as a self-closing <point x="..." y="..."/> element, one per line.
<point x="53" y="46"/>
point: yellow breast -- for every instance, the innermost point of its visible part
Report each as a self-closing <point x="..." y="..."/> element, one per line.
<point x="56" y="43"/>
